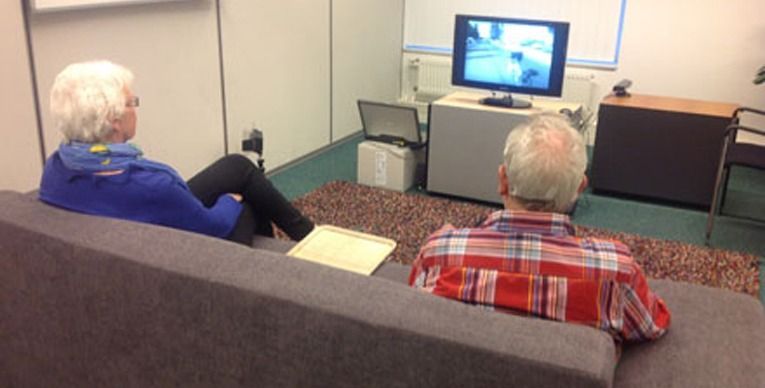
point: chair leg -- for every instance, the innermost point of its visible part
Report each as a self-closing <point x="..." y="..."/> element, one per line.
<point x="722" y="173"/>
<point x="711" y="218"/>
<point x="724" y="193"/>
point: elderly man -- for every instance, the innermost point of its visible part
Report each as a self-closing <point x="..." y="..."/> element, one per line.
<point x="525" y="259"/>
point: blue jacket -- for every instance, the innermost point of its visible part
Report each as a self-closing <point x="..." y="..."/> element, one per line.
<point x="137" y="194"/>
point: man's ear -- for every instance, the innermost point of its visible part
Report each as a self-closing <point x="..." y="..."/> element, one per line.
<point x="583" y="185"/>
<point x="502" y="183"/>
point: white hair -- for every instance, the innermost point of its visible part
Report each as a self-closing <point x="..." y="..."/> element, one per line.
<point x="86" y="97"/>
<point x="545" y="160"/>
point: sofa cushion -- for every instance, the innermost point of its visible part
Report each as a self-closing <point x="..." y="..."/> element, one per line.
<point x="716" y="339"/>
<point x="272" y="244"/>
<point x="90" y="301"/>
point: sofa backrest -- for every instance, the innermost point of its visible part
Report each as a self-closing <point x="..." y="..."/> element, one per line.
<point x="92" y="301"/>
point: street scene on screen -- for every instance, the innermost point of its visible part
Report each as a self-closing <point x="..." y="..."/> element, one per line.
<point x="510" y="54"/>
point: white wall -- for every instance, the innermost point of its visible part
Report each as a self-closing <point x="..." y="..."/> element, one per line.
<point x="20" y="156"/>
<point x="703" y="49"/>
<point x="172" y="49"/>
<point x="366" y="42"/>
<point x="276" y="61"/>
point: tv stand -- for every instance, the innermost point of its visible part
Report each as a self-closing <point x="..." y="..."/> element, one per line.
<point x="466" y="140"/>
<point x="506" y="101"/>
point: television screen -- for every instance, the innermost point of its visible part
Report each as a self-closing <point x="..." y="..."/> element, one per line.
<point x="509" y="55"/>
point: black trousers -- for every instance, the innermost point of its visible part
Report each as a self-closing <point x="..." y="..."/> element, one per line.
<point x="262" y="202"/>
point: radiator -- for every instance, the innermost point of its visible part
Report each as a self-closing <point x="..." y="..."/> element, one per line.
<point x="433" y="79"/>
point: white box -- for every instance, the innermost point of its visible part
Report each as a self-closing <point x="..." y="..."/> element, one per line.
<point x="385" y="165"/>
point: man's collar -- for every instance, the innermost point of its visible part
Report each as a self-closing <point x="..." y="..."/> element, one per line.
<point x="522" y="221"/>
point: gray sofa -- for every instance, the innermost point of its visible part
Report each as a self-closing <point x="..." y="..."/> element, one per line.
<point x="94" y="302"/>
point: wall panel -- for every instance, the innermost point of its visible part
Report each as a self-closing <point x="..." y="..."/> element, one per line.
<point x="276" y="61"/>
<point x="20" y="156"/>
<point x="366" y="58"/>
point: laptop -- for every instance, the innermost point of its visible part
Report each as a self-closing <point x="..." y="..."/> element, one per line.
<point x="390" y="123"/>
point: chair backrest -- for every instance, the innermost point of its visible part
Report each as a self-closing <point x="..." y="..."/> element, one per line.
<point x="754" y="117"/>
<point x="736" y="151"/>
<point x="746" y="151"/>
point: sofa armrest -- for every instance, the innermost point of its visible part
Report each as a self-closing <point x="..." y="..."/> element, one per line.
<point x="716" y="339"/>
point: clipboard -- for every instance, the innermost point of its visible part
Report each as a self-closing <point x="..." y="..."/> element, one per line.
<point x="344" y="249"/>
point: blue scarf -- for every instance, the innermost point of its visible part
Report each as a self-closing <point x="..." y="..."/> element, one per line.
<point x="91" y="158"/>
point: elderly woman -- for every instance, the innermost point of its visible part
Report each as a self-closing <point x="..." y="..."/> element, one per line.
<point x="96" y="171"/>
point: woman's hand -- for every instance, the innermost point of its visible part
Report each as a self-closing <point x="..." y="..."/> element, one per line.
<point x="237" y="197"/>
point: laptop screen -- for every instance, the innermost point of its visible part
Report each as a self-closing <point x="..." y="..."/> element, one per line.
<point x="390" y="123"/>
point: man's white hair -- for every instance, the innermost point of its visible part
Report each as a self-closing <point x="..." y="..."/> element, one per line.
<point x="86" y="97"/>
<point x="545" y="160"/>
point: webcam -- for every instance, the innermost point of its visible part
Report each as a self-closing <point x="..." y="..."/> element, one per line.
<point x="253" y="141"/>
<point x="620" y="89"/>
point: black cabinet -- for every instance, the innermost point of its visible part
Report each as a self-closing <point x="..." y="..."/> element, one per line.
<point x="659" y="147"/>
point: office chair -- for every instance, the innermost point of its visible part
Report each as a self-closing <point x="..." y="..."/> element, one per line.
<point x="734" y="154"/>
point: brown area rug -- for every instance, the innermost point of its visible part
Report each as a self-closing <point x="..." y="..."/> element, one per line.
<point x="410" y="218"/>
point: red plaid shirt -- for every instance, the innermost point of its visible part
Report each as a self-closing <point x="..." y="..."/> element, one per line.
<point x="531" y="263"/>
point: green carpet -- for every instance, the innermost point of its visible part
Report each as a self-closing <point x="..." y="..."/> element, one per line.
<point x="746" y="197"/>
<point x="371" y="210"/>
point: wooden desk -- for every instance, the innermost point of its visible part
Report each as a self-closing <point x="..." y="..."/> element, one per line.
<point x="466" y="140"/>
<point x="659" y="147"/>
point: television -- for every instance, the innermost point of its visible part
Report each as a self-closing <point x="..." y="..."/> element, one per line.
<point x="509" y="55"/>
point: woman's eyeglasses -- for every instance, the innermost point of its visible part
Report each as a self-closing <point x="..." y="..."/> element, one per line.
<point x="133" y="102"/>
